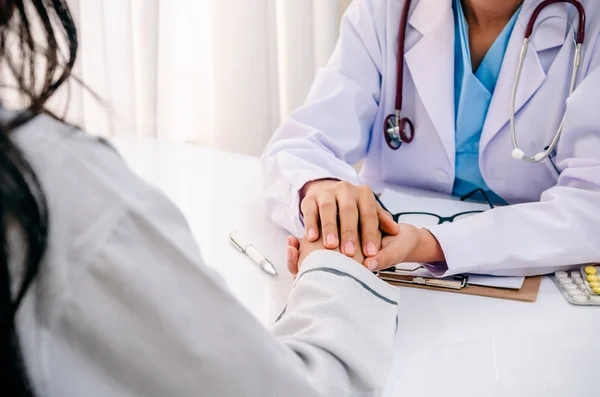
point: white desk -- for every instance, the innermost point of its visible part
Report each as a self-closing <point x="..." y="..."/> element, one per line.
<point x="448" y="344"/>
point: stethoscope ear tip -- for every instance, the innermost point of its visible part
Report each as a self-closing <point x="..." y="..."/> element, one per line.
<point x="518" y="154"/>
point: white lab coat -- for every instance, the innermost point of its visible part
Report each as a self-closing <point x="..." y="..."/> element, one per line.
<point x="554" y="222"/>
<point x="123" y="304"/>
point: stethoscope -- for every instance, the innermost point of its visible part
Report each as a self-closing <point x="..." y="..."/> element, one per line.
<point x="398" y="130"/>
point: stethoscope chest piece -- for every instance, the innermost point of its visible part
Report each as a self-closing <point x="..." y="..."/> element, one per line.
<point x="398" y="131"/>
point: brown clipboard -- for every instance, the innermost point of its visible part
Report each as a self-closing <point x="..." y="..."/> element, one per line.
<point x="528" y="292"/>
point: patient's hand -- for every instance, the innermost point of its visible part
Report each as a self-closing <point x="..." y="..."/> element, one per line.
<point x="297" y="251"/>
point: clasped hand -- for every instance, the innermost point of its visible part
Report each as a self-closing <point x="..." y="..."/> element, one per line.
<point x="346" y="218"/>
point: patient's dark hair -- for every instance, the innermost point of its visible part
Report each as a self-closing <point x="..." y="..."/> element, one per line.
<point x="38" y="47"/>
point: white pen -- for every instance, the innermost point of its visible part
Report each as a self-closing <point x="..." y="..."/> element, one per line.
<point x="252" y="253"/>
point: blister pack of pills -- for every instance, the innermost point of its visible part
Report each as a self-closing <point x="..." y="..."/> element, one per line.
<point x="580" y="287"/>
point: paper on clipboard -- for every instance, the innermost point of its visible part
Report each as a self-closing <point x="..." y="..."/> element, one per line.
<point x="497" y="282"/>
<point x="399" y="202"/>
<point x="415" y="269"/>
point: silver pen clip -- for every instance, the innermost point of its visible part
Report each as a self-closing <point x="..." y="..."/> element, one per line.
<point x="235" y="243"/>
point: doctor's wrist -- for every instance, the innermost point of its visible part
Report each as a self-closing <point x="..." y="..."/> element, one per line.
<point x="315" y="186"/>
<point x="428" y="250"/>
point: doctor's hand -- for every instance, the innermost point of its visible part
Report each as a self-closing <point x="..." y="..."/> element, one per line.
<point x="298" y="251"/>
<point x="361" y="219"/>
<point x="409" y="245"/>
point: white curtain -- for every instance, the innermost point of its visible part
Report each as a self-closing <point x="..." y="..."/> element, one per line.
<point x="215" y="72"/>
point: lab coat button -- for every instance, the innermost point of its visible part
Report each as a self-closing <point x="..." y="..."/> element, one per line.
<point x="441" y="176"/>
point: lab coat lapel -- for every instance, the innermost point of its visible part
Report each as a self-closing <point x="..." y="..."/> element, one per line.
<point x="547" y="35"/>
<point x="431" y="65"/>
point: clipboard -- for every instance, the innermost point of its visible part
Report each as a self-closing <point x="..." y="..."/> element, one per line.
<point x="460" y="284"/>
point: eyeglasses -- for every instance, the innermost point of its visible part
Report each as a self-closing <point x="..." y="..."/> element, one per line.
<point x="425" y="219"/>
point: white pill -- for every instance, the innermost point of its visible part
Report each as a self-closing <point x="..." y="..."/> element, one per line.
<point x="575" y="275"/>
<point x="561" y="274"/>
<point x="583" y="288"/>
<point x="565" y="280"/>
<point x="581" y="299"/>
<point x="595" y="298"/>
<point x="579" y="281"/>
<point x="570" y="287"/>
<point x="575" y="292"/>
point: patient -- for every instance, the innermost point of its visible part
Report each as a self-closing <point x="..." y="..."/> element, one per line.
<point x="103" y="289"/>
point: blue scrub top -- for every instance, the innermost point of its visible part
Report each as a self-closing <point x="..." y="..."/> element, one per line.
<point x="472" y="98"/>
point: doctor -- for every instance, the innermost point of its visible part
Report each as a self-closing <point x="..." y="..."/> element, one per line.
<point x="460" y="62"/>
